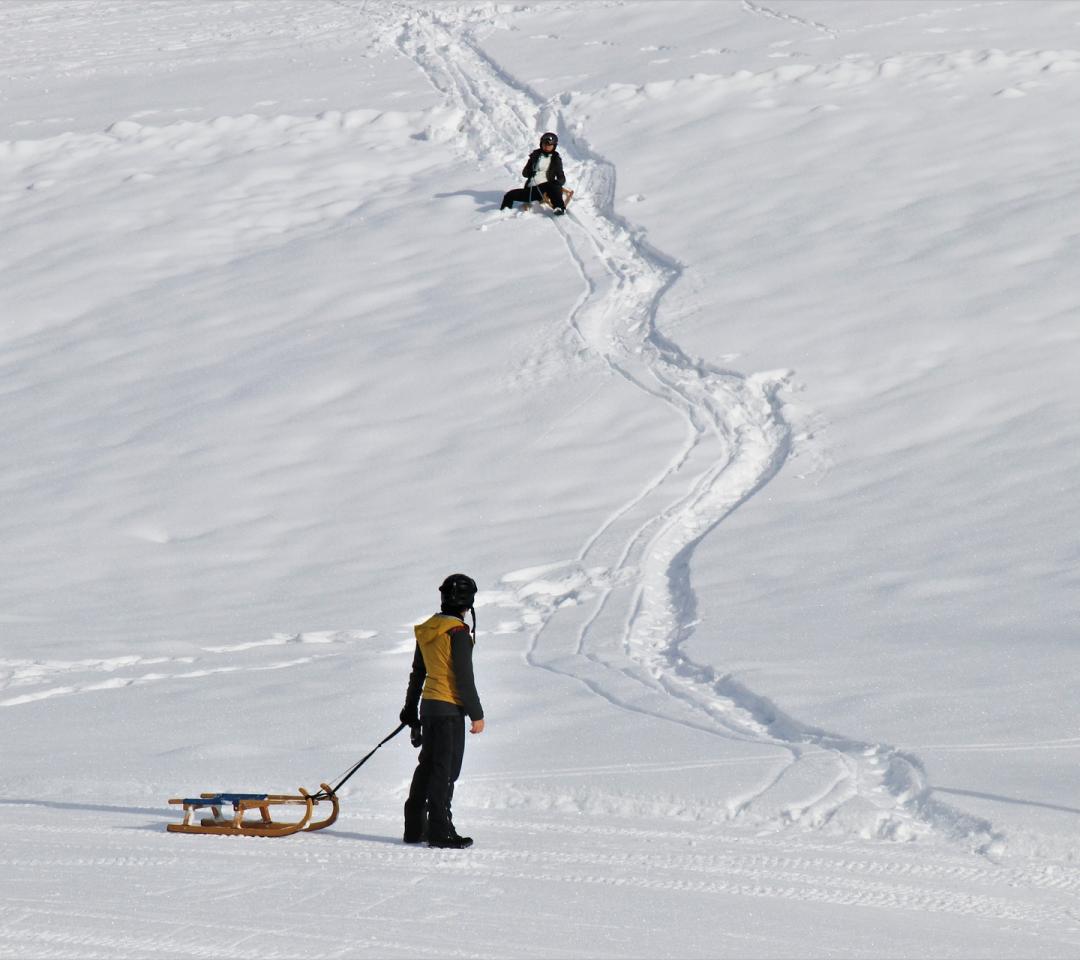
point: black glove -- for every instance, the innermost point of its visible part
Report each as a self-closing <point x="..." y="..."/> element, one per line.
<point x="409" y="716"/>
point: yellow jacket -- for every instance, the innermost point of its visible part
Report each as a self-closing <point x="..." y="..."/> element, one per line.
<point x="433" y="638"/>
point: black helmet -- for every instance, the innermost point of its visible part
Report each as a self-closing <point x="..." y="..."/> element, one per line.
<point x="551" y="138"/>
<point x="458" y="591"/>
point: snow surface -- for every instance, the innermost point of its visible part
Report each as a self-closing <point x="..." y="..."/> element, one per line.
<point x="763" y="457"/>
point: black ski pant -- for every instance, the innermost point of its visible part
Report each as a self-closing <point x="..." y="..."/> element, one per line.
<point x="442" y="748"/>
<point x="551" y="190"/>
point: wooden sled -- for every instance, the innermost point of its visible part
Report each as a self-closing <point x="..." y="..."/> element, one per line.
<point x="265" y="825"/>
<point x="567" y="196"/>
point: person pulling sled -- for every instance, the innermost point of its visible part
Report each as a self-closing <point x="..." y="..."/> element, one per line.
<point x="442" y="672"/>
<point x="544" y="178"/>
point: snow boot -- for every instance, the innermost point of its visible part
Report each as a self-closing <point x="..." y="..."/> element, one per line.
<point x="450" y="841"/>
<point x="416" y="822"/>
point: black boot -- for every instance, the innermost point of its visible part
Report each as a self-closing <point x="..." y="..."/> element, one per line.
<point x="449" y="838"/>
<point x="450" y="841"/>
<point x="416" y="822"/>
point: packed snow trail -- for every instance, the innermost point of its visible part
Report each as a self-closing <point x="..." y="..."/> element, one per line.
<point x="624" y="635"/>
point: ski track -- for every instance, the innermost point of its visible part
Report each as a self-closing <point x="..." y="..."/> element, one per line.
<point x="618" y="616"/>
<point x="659" y="859"/>
<point x="761" y="10"/>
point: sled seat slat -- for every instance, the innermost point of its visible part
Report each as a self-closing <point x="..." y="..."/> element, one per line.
<point x="237" y="797"/>
<point x="220" y="799"/>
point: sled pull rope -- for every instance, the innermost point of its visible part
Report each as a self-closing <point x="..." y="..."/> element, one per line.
<point x="327" y="794"/>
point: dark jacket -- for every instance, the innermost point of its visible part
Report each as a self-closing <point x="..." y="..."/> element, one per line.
<point x="554" y="171"/>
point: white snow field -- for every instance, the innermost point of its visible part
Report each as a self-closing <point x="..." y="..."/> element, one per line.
<point x="764" y="457"/>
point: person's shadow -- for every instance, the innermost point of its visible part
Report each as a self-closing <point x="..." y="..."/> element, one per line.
<point x="366" y="837"/>
<point x="485" y="199"/>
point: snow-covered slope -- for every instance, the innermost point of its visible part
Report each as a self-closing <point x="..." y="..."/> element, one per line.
<point x="761" y="457"/>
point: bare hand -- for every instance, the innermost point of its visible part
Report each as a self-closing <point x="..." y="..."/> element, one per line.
<point x="477" y="726"/>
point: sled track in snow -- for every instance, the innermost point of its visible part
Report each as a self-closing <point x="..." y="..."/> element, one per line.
<point x="626" y="639"/>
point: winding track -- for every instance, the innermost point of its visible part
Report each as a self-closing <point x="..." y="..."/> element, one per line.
<point x="628" y="644"/>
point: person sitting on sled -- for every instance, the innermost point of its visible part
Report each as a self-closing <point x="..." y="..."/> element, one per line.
<point x="442" y="667"/>
<point x="544" y="177"/>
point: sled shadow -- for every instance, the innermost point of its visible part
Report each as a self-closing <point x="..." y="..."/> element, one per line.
<point x="997" y="798"/>
<point x="159" y="819"/>
<point x="156" y="812"/>
<point x="88" y="807"/>
<point x="484" y="199"/>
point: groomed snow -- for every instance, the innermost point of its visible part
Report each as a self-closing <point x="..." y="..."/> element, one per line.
<point x="763" y="458"/>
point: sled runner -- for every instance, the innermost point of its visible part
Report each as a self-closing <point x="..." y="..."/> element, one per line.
<point x="235" y="824"/>
<point x="567" y="196"/>
<point x="265" y="826"/>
